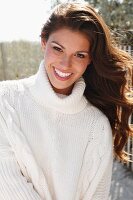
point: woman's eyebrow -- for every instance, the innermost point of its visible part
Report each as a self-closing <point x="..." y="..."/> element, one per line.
<point x="83" y="52"/>
<point x="58" y="44"/>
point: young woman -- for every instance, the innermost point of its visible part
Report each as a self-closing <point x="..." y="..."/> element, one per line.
<point x="60" y="127"/>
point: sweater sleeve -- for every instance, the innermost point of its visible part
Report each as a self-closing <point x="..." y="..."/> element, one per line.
<point x="98" y="179"/>
<point x="13" y="184"/>
<point x="103" y="188"/>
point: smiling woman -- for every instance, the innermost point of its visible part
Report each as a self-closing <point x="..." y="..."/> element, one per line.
<point x="60" y="128"/>
<point x="66" y="59"/>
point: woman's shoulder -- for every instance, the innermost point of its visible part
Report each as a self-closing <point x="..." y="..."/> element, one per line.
<point x="10" y="89"/>
<point x="15" y="85"/>
<point x="95" y="112"/>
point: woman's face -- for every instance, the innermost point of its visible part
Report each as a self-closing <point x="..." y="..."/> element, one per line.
<point x="66" y="57"/>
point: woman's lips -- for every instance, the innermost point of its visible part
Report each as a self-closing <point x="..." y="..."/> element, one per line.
<point x="59" y="77"/>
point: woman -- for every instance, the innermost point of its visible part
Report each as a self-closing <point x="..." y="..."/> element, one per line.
<point x="59" y="127"/>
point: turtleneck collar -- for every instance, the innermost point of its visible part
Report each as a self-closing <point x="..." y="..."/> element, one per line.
<point x="43" y="92"/>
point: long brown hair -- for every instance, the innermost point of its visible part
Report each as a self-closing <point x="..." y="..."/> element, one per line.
<point x="109" y="73"/>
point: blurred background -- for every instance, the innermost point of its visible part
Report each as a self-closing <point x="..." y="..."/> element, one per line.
<point x="20" y="54"/>
<point x="21" y="23"/>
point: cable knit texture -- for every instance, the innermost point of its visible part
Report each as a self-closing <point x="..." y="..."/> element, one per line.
<point x="52" y="146"/>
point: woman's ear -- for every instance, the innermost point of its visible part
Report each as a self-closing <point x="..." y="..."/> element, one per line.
<point x="43" y="44"/>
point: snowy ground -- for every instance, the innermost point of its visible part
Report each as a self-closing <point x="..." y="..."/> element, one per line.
<point x="122" y="183"/>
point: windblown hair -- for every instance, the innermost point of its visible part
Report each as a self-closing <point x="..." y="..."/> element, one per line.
<point x="108" y="76"/>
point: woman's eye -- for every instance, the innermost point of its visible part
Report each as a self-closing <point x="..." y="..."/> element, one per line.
<point x="79" y="55"/>
<point x="57" y="48"/>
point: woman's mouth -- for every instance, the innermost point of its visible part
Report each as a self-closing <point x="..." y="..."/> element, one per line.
<point x="61" y="75"/>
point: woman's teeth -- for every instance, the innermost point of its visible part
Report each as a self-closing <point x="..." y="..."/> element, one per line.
<point x="61" y="74"/>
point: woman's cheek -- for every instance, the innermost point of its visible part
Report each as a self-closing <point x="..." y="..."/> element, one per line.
<point x="50" y="54"/>
<point x="47" y="54"/>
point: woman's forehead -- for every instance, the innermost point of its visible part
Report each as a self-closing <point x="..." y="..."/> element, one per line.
<point x="67" y="37"/>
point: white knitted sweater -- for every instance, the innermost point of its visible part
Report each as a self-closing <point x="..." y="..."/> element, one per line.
<point x="52" y="147"/>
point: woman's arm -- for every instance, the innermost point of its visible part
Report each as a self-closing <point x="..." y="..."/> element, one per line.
<point x="103" y="189"/>
<point x="18" y="165"/>
<point x="13" y="185"/>
<point x="97" y="180"/>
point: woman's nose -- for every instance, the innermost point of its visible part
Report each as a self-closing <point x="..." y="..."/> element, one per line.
<point x="66" y="62"/>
